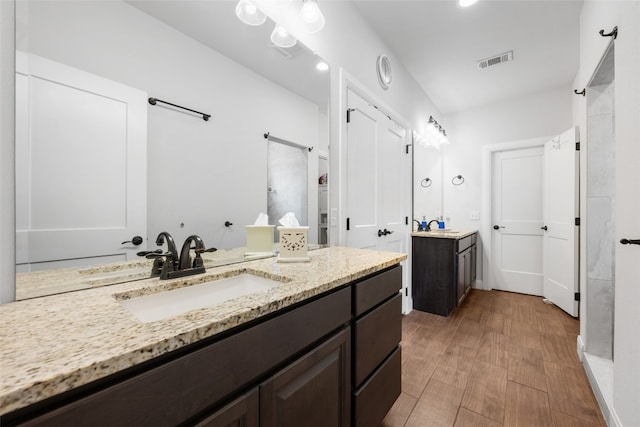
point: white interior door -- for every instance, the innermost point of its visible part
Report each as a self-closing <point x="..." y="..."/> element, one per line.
<point x="517" y="220"/>
<point x="81" y="166"/>
<point x="377" y="183"/>
<point x="561" y="207"/>
<point x="364" y="135"/>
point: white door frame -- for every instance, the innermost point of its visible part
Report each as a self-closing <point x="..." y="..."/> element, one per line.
<point x="338" y="164"/>
<point x="487" y="170"/>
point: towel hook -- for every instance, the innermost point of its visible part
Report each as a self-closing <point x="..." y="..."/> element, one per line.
<point x="426" y="183"/>
<point x="613" y="33"/>
<point x="457" y="180"/>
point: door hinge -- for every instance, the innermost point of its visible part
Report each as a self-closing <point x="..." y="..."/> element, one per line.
<point x="348" y="224"/>
<point x="577" y="222"/>
<point x="406" y="220"/>
<point x="406" y="148"/>
<point x="349" y="110"/>
<point x="406" y="292"/>
<point x="576" y="296"/>
<point x="577" y="146"/>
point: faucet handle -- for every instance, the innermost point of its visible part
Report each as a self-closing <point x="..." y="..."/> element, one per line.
<point x="202" y="250"/>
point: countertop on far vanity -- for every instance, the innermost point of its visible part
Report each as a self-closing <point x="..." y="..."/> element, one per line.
<point x="447" y="234"/>
<point x="53" y="344"/>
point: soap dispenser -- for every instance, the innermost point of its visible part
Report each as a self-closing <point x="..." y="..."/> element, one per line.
<point x="424" y="222"/>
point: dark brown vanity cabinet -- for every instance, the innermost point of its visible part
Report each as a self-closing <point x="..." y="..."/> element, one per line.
<point x="443" y="271"/>
<point x="377" y="333"/>
<point x="466" y="257"/>
<point x="294" y="368"/>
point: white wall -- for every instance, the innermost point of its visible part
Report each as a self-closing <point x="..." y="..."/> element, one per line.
<point x="200" y="174"/>
<point x="596" y="16"/>
<point x="524" y="118"/>
<point x="349" y="44"/>
<point x="7" y="154"/>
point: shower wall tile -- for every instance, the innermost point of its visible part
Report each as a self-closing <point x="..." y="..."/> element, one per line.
<point x="600" y="99"/>
<point x="600" y="238"/>
<point x="600" y="309"/>
<point x="600" y="156"/>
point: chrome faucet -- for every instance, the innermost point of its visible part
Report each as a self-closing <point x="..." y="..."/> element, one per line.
<point x="429" y="224"/>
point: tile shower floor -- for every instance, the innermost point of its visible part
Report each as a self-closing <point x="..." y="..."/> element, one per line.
<point x="502" y="359"/>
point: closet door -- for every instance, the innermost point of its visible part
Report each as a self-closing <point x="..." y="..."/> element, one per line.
<point x="376" y="179"/>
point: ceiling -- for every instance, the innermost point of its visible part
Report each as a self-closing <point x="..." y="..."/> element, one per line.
<point x="440" y="44"/>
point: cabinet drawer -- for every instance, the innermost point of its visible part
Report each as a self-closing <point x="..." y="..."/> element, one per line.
<point x="466" y="242"/>
<point x="370" y="292"/>
<point x="172" y="393"/>
<point x="376" y="335"/>
<point x="374" y="399"/>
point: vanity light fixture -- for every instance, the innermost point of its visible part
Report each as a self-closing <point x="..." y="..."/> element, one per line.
<point x="281" y="37"/>
<point x="249" y="13"/>
<point x="466" y="3"/>
<point x="311" y="16"/>
<point x="436" y="134"/>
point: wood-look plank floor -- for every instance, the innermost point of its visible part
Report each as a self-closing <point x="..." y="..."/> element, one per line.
<point x="501" y="359"/>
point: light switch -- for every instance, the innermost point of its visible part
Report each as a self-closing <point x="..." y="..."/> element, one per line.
<point x="334" y="217"/>
<point x="475" y="215"/>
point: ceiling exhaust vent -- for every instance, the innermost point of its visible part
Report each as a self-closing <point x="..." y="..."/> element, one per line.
<point x="288" y="52"/>
<point x="495" y="60"/>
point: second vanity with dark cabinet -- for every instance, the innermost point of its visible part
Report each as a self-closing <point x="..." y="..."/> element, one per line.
<point x="443" y="269"/>
<point x="332" y="359"/>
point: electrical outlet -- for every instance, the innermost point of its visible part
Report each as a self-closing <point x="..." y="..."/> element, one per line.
<point x="334" y="217"/>
<point x="475" y="215"/>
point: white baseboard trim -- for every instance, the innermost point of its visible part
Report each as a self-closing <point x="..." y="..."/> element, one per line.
<point x="478" y="284"/>
<point x="615" y="421"/>
<point x="600" y="375"/>
<point x="580" y="348"/>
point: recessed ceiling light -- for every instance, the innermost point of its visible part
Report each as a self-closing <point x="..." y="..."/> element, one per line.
<point x="466" y="3"/>
<point x="322" y="66"/>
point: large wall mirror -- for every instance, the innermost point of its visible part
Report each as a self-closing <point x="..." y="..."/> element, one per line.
<point x="97" y="164"/>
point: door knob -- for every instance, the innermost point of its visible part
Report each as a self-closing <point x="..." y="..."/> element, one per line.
<point x="136" y="240"/>
<point x="498" y="227"/>
<point x="630" y="241"/>
<point x="543" y="228"/>
<point x="380" y="233"/>
<point x="386" y="232"/>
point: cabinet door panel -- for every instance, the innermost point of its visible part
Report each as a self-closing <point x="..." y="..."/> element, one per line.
<point x="311" y="392"/>
<point x="242" y="412"/>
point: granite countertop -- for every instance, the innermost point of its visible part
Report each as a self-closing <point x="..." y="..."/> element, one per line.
<point x="447" y="234"/>
<point x="53" y="344"/>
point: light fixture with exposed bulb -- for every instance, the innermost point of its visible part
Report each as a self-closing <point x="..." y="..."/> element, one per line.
<point x="311" y="16"/>
<point x="248" y="13"/>
<point x="281" y="37"/>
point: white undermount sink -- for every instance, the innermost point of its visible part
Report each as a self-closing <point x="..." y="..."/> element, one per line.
<point x="170" y="303"/>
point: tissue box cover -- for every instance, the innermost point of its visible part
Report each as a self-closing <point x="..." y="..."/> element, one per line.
<point x="293" y="244"/>
<point x="259" y="239"/>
